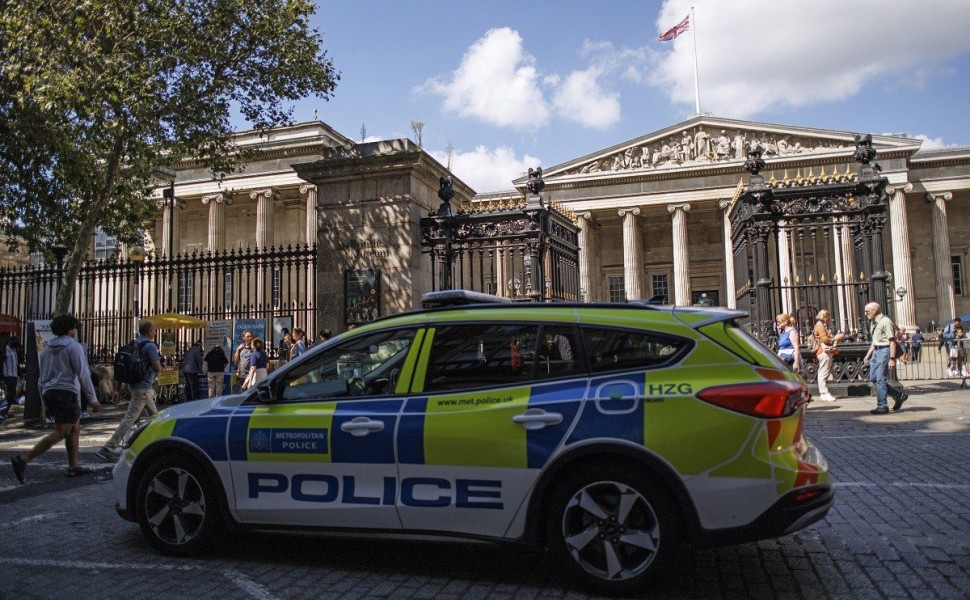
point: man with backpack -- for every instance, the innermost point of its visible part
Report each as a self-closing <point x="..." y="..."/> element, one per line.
<point x="136" y="364"/>
<point x="63" y="375"/>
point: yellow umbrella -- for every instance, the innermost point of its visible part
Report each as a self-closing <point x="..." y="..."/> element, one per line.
<point x="175" y="321"/>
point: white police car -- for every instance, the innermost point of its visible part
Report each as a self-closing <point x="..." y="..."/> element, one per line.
<point x="613" y="434"/>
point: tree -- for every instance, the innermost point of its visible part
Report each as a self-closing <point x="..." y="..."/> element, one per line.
<point x="95" y="94"/>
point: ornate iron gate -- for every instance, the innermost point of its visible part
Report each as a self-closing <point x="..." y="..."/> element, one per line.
<point x="111" y="296"/>
<point x="521" y="250"/>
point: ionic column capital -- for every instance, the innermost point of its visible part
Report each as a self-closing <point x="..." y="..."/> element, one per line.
<point x="673" y="208"/>
<point x="905" y="188"/>
<point x="268" y="193"/>
<point x="635" y="211"/>
<point x="587" y="216"/>
<point x="723" y="204"/>
<point x="306" y="188"/>
<point x="931" y="198"/>
<point x="218" y="199"/>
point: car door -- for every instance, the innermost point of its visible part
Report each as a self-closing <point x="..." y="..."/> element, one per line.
<point x="479" y="427"/>
<point x="322" y="454"/>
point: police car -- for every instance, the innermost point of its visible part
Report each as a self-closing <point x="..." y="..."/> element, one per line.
<point x="613" y="434"/>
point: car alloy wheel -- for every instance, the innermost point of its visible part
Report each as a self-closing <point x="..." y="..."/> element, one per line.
<point x="175" y="506"/>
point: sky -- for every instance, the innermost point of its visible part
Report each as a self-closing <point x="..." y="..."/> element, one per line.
<point x="513" y="85"/>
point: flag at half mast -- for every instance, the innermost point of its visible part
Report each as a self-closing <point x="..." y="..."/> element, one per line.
<point x="676" y="30"/>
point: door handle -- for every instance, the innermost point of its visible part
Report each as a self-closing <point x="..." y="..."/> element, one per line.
<point x="361" y="426"/>
<point x="536" y="418"/>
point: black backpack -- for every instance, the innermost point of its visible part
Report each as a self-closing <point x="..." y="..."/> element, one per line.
<point x="129" y="365"/>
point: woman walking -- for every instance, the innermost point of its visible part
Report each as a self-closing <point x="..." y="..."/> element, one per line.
<point x="788" y="341"/>
<point x="825" y="349"/>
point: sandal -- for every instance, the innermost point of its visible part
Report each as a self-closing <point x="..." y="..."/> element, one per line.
<point x="79" y="471"/>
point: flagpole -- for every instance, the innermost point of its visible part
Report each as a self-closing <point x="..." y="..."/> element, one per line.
<point x="697" y="88"/>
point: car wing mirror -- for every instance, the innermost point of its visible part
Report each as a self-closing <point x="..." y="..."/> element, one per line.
<point x="264" y="392"/>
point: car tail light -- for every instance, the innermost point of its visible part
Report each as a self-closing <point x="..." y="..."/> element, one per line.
<point x="765" y="399"/>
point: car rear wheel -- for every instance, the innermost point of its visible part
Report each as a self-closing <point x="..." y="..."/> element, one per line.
<point x="177" y="508"/>
<point x="614" y="529"/>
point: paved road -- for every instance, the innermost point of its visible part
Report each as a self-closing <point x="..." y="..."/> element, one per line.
<point x="900" y="529"/>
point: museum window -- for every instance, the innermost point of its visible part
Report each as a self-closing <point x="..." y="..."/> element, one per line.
<point x="104" y="245"/>
<point x="277" y="287"/>
<point x="957" y="265"/>
<point x="185" y="293"/>
<point x="617" y="288"/>
<point x="660" y="287"/>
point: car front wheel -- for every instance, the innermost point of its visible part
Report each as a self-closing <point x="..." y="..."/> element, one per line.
<point x="614" y="529"/>
<point x="177" y="508"/>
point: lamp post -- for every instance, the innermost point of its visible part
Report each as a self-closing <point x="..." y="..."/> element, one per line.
<point x="136" y="254"/>
<point x="171" y="202"/>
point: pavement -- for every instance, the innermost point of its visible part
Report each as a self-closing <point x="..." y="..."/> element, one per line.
<point x="900" y="528"/>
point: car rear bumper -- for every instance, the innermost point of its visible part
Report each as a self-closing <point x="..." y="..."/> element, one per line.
<point x="795" y="510"/>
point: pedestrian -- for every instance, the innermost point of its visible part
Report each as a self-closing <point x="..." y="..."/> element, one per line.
<point x="64" y="375"/>
<point x="191" y="369"/>
<point x="881" y="359"/>
<point x="257" y="365"/>
<point x="323" y="336"/>
<point x="285" y="347"/>
<point x="950" y="333"/>
<point x="215" y="364"/>
<point x="142" y="393"/>
<point x="825" y="349"/>
<point x="10" y="364"/>
<point x="241" y="355"/>
<point x="299" y="346"/>
<point x="788" y="341"/>
<point x="902" y="345"/>
<point x="916" y="344"/>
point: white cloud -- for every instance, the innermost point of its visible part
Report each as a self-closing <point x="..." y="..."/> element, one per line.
<point x="581" y="98"/>
<point x="487" y="170"/>
<point x="757" y="54"/>
<point x="495" y="82"/>
<point x="931" y="143"/>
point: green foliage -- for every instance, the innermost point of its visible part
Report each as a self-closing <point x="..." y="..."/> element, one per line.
<point x="96" y="93"/>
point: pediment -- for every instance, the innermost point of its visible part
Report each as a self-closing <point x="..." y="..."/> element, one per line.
<point x="704" y="142"/>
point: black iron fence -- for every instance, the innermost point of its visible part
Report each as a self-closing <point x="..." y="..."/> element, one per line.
<point x="111" y="296"/>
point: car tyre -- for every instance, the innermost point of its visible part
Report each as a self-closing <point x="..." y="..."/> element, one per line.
<point x="177" y="507"/>
<point x="613" y="528"/>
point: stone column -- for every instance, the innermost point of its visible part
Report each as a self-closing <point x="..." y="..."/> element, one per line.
<point x="785" y="271"/>
<point x="310" y="191"/>
<point x="217" y="220"/>
<point x="170" y="229"/>
<point x="587" y="256"/>
<point x="729" y="287"/>
<point x="681" y="253"/>
<point x="632" y="254"/>
<point x="946" y="306"/>
<point x="501" y="285"/>
<point x="905" y="313"/>
<point x="264" y="217"/>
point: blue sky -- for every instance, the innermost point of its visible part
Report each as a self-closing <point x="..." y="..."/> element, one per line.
<point x="510" y="85"/>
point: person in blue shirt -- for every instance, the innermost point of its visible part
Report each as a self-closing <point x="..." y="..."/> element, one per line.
<point x="142" y="393"/>
<point x="788" y="341"/>
<point x="257" y="365"/>
<point x="64" y="374"/>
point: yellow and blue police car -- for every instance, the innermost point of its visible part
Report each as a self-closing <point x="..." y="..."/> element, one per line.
<point x="613" y="434"/>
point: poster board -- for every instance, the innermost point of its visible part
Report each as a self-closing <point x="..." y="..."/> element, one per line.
<point x="218" y="333"/>
<point x="37" y="336"/>
<point x="362" y="296"/>
<point x="279" y="324"/>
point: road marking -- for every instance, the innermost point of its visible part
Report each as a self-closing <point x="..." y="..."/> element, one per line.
<point x="900" y="484"/>
<point x="82" y="564"/>
<point x="30" y="519"/>
<point x="248" y="585"/>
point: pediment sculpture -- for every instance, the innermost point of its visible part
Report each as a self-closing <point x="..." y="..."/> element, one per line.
<point x="700" y="146"/>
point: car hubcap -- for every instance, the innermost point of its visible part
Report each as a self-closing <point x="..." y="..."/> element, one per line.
<point x="175" y="506"/>
<point x="611" y="530"/>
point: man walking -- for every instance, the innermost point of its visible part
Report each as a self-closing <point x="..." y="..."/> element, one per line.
<point x="63" y="375"/>
<point x="191" y="369"/>
<point x="241" y="355"/>
<point x="215" y="362"/>
<point x="916" y="345"/>
<point x="299" y="347"/>
<point x="10" y="364"/>
<point x="881" y="358"/>
<point x="142" y="393"/>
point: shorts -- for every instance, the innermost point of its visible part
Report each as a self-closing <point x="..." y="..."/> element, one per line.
<point x="63" y="406"/>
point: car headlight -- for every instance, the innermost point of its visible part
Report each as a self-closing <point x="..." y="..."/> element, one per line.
<point x="133" y="434"/>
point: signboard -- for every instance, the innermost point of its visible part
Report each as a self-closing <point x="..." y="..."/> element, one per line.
<point x="218" y="333"/>
<point x="362" y="296"/>
<point x="37" y="336"/>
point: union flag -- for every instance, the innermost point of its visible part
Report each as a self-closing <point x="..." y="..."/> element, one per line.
<point x="676" y="30"/>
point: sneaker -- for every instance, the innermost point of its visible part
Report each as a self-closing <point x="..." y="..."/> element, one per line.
<point x="899" y="401"/>
<point x="827" y="398"/>
<point x="19" y="468"/>
<point x="106" y="454"/>
<point x="882" y="410"/>
<point x="85" y="414"/>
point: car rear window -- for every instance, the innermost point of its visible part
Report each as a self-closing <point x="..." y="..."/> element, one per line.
<point x="609" y="349"/>
<point x="736" y="339"/>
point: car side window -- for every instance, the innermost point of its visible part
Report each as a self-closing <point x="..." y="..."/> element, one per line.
<point x="610" y="349"/>
<point x="559" y="353"/>
<point x="481" y="355"/>
<point x="368" y="365"/>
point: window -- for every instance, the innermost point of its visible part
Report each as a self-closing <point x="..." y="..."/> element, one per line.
<point x="227" y="291"/>
<point x="277" y="287"/>
<point x="559" y="353"/>
<point x="365" y="366"/>
<point x="660" y="287"/>
<point x="487" y="355"/>
<point x="957" y="275"/>
<point x="705" y="298"/>
<point x="185" y="293"/>
<point x="104" y="245"/>
<point x="617" y="288"/>
<point x="621" y="349"/>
